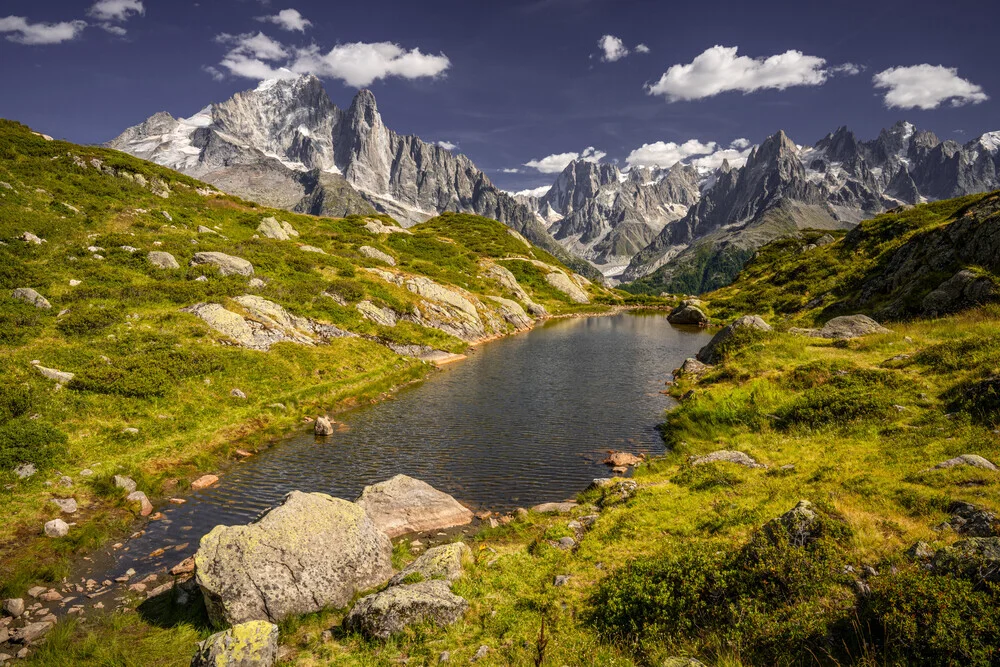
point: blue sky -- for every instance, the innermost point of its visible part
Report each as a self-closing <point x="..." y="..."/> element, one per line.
<point x="521" y="82"/>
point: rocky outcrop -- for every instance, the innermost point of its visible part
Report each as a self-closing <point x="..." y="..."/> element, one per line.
<point x="384" y="316"/>
<point x="798" y="526"/>
<point x="963" y="290"/>
<point x="377" y="255"/>
<point x="28" y="295"/>
<point x="404" y="505"/>
<point x="378" y="227"/>
<point x="227" y="265"/>
<point x="513" y="313"/>
<point x="264" y="323"/>
<point x="251" y="644"/>
<point x="712" y="353"/>
<point x="271" y="228"/>
<point x="162" y="260"/>
<point x="311" y="552"/>
<point x="976" y="559"/>
<point x="382" y="615"/>
<point x="562" y="282"/>
<point x="442" y="562"/>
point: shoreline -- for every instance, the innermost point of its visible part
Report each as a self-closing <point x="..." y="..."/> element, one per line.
<point x="109" y="522"/>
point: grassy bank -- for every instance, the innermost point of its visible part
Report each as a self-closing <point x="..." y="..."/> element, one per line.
<point x="153" y="389"/>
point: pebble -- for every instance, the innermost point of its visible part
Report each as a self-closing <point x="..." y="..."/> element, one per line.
<point x="481" y="652"/>
<point x="566" y="543"/>
<point x="13" y="607"/>
<point x="204" y="482"/>
<point x="65" y="505"/>
<point x="237" y="393"/>
<point x="56" y="528"/>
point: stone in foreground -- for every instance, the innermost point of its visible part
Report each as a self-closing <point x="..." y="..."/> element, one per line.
<point x="443" y="562"/>
<point x="311" y="552"/>
<point x="712" y="353"/>
<point x="404" y="505"/>
<point x="57" y="528"/>
<point x="384" y="614"/>
<point x="252" y="644"/>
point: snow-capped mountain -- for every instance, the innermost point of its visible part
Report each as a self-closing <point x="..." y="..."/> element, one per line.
<point x="785" y="187"/>
<point x="286" y="144"/>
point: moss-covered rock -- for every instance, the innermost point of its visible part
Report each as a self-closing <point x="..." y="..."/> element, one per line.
<point x="443" y="562"/>
<point x="384" y="614"/>
<point x="252" y="644"/>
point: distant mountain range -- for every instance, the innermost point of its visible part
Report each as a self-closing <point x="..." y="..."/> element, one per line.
<point x="681" y="229"/>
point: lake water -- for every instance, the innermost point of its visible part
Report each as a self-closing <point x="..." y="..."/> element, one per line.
<point x="523" y="420"/>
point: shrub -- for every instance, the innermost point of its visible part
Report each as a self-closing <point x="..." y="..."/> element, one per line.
<point x="916" y="617"/>
<point x="25" y="440"/>
<point x="87" y="321"/>
<point x="979" y="399"/>
<point x="835" y="403"/>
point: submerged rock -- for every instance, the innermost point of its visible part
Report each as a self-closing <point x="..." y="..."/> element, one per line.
<point x="251" y="644"/>
<point x="323" y="426"/>
<point x="711" y="353"/>
<point x="384" y="614"/>
<point x="443" y="562"/>
<point x="404" y="505"/>
<point x="311" y="552"/>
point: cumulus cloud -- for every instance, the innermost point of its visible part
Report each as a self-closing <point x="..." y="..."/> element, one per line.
<point x="553" y="164"/>
<point x="288" y="19"/>
<point x="18" y="29"/>
<point x="614" y="49"/>
<point x="534" y="192"/>
<point x="116" y="10"/>
<point x="360" y="64"/>
<point x="667" y="154"/>
<point x="447" y="145"/>
<point x="720" y="69"/>
<point x="927" y="87"/>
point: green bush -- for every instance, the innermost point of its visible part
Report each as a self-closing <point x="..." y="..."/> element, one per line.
<point x="919" y="618"/>
<point x="26" y="440"/>
<point x="87" y="321"/>
<point x="979" y="399"/>
<point x="843" y="399"/>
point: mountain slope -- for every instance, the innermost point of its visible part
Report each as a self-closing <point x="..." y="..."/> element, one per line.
<point x="286" y="144"/>
<point x="784" y="187"/>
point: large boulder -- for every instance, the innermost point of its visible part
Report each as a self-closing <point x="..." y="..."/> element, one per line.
<point x="712" y="353"/>
<point x="311" y="552"/>
<point x="564" y="284"/>
<point x="977" y="559"/>
<point x="384" y="614"/>
<point x="443" y="562"/>
<point x="162" y="260"/>
<point x="962" y="290"/>
<point x="850" y="326"/>
<point x="28" y="295"/>
<point x="273" y="229"/>
<point x="688" y="314"/>
<point x="228" y="265"/>
<point x="252" y="644"/>
<point x="404" y="505"/>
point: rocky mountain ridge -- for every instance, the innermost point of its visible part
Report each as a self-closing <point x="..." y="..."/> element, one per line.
<point x="286" y="144"/>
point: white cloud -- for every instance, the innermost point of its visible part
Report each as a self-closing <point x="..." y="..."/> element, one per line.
<point x="360" y="64"/>
<point x="17" y="29"/>
<point x="447" y="145"/>
<point x="667" y="154"/>
<point x="116" y="10"/>
<point x="641" y="48"/>
<point x="848" y="69"/>
<point x="250" y="45"/>
<point x="511" y="171"/>
<point x="553" y="164"/>
<point x="288" y="19"/>
<point x="613" y="47"/>
<point x="534" y="192"/>
<point x="927" y="87"/>
<point x="214" y="72"/>
<point x="720" y="69"/>
<point x="114" y="29"/>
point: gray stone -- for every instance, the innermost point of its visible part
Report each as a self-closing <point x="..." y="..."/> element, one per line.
<point x="441" y="562"/>
<point x="385" y="614"/>
<point x="973" y="460"/>
<point x="311" y="552"/>
<point x="378" y="227"/>
<point x="13" y="607"/>
<point x="377" y="255"/>
<point x="566" y="543"/>
<point x="28" y="237"/>
<point x="228" y="265"/>
<point x="512" y="312"/>
<point x="256" y="283"/>
<point x="797" y="525"/>
<point x="921" y="551"/>
<point x="688" y="315"/>
<point x="557" y="508"/>
<point x="693" y="367"/>
<point x="972" y="521"/>
<point x="273" y="229"/>
<point x="564" y="284"/>
<point x="28" y="295"/>
<point x="481" y="653"/>
<point x="728" y="456"/>
<point x="975" y="558"/>
<point x="163" y="260"/>
<point x="323" y="426"/>
<point x="123" y="482"/>
<point x="30" y="633"/>
<point x="383" y="316"/>
<point x="846" y="327"/>
<point x="238" y="393"/>
<point x="62" y="377"/>
<point x="313" y="249"/>
<point x="65" y="505"/>
<point x="710" y="354"/>
<point x="56" y="528"/>
<point x="560" y="580"/>
<point x="404" y="505"/>
<point x="25" y="470"/>
<point x="251" y="644"/>
<point x="614" y="489"/>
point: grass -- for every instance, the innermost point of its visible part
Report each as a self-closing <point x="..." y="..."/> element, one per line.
<point x="140" y="363"/>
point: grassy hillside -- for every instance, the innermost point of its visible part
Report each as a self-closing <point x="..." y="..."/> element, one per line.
<point x="152" y="389"/>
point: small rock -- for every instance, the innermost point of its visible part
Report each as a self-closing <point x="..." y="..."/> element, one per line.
<point x="56" y="528"/>
<point x="145" y="507"/>
<point x="323" y="426"/>
<point x="186" y="566"/>
<point x="13" y="607"/>
<point x="558" y="508"/>
<point x="35" y="591"/>
<point x="65" y="505"/>
<point x="481" y="652"/>
<point x="126" y="483"/>
<point x="238" y="393"/>
<point x="377" y="255"/>
<point x="66" y="481"/>
<point x="130" y="430"/>
<point x="28" y="237"/>
<point x="973" y="460"/>
<point x="86" y="472"/>
<point x="444" y="657"/>
<point x="204" y="482"/>
<point x="441" y="562"/>
<point x="51" y="595"/>
<point x="31" y="632"/>
<point x="162" y="260"/>
<point x="560" y="580"/>
<point x="566" y="543"/>
<point x="729" y="456"/>
<point x="25" y="470"/>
